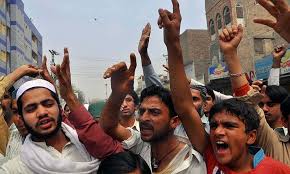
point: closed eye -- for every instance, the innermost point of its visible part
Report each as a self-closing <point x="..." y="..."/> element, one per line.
<point x="48" y="103"/>
<point x="30" y="108"/>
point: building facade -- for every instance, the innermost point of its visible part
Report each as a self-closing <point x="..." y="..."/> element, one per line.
<point x="258" y="40"/>
<point x="20" y="41"/>
<point x="195" y="46"/>
<point x="141" y="83"/>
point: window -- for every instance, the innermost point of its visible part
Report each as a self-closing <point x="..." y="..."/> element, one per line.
<point x="227" y="15"/>
<point x="219" y="21"/>
<point x="3" y="56"/>
<point x="259" y="46"/>
<point x="34" y="56"/>
<point x="240" y="11"/>
<point x="211" y="27"/>
<point x="3" y="29"/>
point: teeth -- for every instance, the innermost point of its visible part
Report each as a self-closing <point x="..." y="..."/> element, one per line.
<point x="220" y="142"/>
<point x="44" y="122"/>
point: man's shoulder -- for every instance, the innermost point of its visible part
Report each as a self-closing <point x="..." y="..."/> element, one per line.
<point x="269" y="164"/>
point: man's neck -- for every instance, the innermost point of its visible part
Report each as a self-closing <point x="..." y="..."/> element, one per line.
<point x="127" y="121"/>
<point x="165" y="150"/>
<point x="244" y="164"/>
<point x="276" y="124"/>
<point x="58" y="141"/>
<point x="9" y="123"/>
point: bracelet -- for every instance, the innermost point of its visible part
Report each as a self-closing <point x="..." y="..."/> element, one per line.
<point x="236" y="74"/>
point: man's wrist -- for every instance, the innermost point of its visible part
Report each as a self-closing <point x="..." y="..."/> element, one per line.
<point x="145" y="59"/>
<point x="72" y="101"/>
<point x="230" y="53"/>
<point x="174" y="46"/>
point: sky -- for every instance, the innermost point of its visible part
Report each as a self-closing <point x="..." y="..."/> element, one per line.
<point x="102" y="33"/>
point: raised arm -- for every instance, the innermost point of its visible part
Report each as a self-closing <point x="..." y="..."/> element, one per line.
<point x="274" y="75"/>
<point x="266" y="137"/>
<point x="96" y="141"/>
<point x="122" y="80"/>
<point x="229" y="41"/>
<point x="5" y="83"/>
<point x="181" y="95"/>
<point x="281" y="12"/>
<point x="150" y="76"/>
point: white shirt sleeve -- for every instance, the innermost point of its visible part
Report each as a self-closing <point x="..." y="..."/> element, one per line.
<point x="218" y="96"/>
<point x="133" y="143"/>
<point x="274" y="77"/>
<point x="150" y="76"/>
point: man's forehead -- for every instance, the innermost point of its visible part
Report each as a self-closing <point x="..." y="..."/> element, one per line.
<point x="225" y="117"/>
<point x="152" y="101"/>
<point x="129" y="96"/>
<point x="36" y="91"/>
<point x="195" y="93"/>
<point x="266" y="98"/>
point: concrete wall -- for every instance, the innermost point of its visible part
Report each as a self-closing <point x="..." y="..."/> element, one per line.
<point x="195" y="49"/>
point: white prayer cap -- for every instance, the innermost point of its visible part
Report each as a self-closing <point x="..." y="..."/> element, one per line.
<point x="33" y="84"/>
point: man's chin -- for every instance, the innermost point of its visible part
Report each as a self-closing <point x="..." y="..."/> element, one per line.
<point x="146" y="139"/>
<point x="126" y="114"/>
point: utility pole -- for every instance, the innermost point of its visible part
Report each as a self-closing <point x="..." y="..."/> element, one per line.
<point x="166" y="58"/>
<point x="52" y="63"/>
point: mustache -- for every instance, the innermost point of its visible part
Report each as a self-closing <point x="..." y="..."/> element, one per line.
<point x="146" y="125"/>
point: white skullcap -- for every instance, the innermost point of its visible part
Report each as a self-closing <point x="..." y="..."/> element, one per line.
<point x="32" y="84"/>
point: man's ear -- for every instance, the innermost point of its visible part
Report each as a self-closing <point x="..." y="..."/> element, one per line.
<point x="174" y="122"/>
<point x="252" y="136"/>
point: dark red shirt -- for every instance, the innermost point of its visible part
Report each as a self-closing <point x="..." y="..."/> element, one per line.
<point x="96" y="141"/>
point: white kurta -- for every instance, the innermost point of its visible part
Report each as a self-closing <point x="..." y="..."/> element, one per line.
<point x="179" y="165"/>
<point x="38" y="157"/>
<point x="69" y="152"/>
<point x="13" y="146"/>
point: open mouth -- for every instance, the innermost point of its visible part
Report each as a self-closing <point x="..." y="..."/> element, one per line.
<point x="45" y="123"/>
<point x="125" y="111"/>
<point x="221" y="146"/>
<point x="145" y="128"/>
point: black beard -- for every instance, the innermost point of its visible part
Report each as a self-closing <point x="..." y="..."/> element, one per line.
<point x="37" y="136"/>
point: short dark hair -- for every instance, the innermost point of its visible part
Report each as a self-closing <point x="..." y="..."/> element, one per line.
<point x="135" y="97"/>
<point x="242" y="110"/>
<point x="277" y="94"/>
<point x="163" y="94"/>
<point x="123" y="163"/>
<point x="284" y="107"/>
<point x="19" y="101"/>
<point x="210" y="92"/>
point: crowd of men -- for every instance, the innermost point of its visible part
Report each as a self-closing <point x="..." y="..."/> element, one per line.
<point x="188" y="129"/>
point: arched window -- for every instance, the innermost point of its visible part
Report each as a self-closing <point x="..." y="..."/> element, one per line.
<point x="240" y="11"/>
<point x="211" y="27"/>
<point x="227" y="15"/>
<point x="219" y="21"/>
